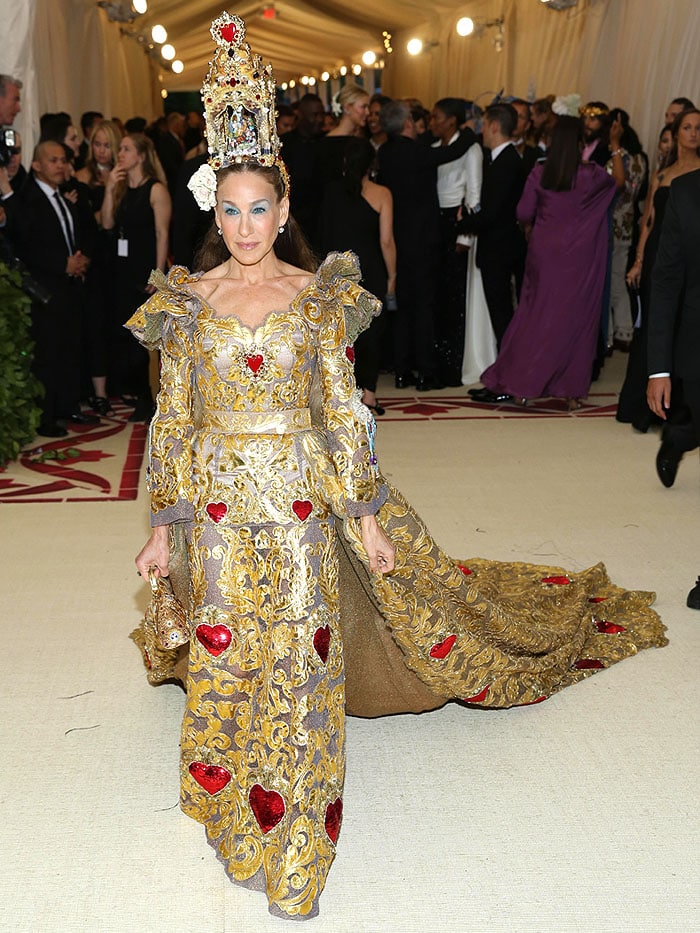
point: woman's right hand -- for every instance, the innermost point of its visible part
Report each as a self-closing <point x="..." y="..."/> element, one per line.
<point x="115" y="176"/>
<point x="155" y="553"/>
<point x="634" y="276"/>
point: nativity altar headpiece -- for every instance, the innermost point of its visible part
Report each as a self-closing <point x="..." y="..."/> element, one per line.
<point x="239" y="109"/>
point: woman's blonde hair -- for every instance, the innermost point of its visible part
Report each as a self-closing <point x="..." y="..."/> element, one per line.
<point x="151" y="164"/>
<point x="114" y="137"/>
<point x="350" y="94"/>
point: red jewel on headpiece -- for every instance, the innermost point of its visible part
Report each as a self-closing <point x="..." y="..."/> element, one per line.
<point x="228" y="32"/>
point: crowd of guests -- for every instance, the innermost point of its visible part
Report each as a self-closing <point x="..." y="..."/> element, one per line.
<point x="511" y="246"/>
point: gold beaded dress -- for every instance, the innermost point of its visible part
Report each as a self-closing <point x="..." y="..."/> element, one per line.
<point x="261" y="461"/>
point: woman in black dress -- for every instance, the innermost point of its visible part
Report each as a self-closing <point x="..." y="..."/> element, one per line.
<point x="137" y="209"/>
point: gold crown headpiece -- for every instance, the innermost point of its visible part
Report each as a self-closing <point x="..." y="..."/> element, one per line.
<point x="239" y="103"/>
<point x="594" y="111"/>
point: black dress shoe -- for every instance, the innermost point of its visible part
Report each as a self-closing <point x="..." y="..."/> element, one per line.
<point x="376" y="409"/>
<point x="404" y="380"/>
<point x="428" y="384"/>
<point x="142" y="413"/>
<point x="693" y="601"/>
<point x="80" y="418"/>
<point x="100" y="404"/>
<point x="667" y="460"/>
<point x="51" y="429"/>
<point x="486" y="395"/>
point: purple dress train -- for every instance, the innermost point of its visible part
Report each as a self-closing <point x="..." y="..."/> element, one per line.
<point x="550" y="344"/>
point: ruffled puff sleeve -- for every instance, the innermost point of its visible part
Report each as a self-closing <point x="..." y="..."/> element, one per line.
<point x="167" y="322"/>
<point x="346" y="309"/>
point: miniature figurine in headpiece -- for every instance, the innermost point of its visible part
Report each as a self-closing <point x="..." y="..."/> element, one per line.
<point x="239" y="107"/>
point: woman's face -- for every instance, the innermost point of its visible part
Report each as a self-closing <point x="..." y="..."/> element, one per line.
<point x="71" y="140"/>
<point x="689" y="131"/>
<point x="373" y="124"/>
<point x="129" y="157"/>
<point x="358" y="110"/>
<point x="101" y="148"/>
<point x="665" y="143"/>
<point x="249" y="216"/>
<point x="442" y="126"/>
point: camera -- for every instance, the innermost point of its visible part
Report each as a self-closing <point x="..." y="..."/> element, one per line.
<point x="8" y="145"/>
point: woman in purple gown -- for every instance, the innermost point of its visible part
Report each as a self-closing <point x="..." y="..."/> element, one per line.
<point x="549" y="347"/>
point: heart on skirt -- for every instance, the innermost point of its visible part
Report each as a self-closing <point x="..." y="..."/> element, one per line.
<point x="557" y="581"/>
<point x="228" y="32"/>
<point x="334" y="817"/>
<point x="609" y="628"/>
<point x="589" y="664"/>
<point x="322" y="640"/>
<point x="465" y="570"/>
<point x="215" y="638"/>
<point x="267" y="806"/>
<point x="216" y="511"/>
<point x="302" y="508"/>
<point x="254" y="362"/>
<point x="350" y="353"/>
<point x="478" y="697"/>
<point x="443" y="648"/>
<point x="211" y="777"/>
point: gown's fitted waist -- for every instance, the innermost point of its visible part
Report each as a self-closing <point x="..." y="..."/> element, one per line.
<point x="283" y="421"/>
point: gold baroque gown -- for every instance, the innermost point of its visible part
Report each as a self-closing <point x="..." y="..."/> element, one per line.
<point x="262" y="459"/>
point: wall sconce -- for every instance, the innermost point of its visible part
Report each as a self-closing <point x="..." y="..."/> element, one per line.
<point x="466" y="26"/>
<point x="415" y="46"/>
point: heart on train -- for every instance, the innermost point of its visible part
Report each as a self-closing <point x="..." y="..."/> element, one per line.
<point x="254" y="362"/>
<point x="443" y="648"/>
<point x="350" y="353"/>
<point x="302" y="508"/>
<point x="215" y="638"/>
<point x="267" y="806"/>
<point x="322" y="641"/>
<point x="597" y="599"/>
<point x="465" y="570"/>
<point x="478" y="697"/>
<point x="216" y="511"/>
<point x="556" y="581"/>
<point x="212" y="778"/>
<point x="589" y="664"/>
<point x="228" y="32"/>
<point x="609" y="628"/>
<point x="334" y="817"/>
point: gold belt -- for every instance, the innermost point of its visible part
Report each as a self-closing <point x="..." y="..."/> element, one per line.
<point x="285" y="421"/>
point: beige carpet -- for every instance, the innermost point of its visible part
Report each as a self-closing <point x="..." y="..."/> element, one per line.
<point x="579" y="814"/>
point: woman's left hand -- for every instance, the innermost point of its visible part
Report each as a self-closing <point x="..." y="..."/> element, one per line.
<point x="380" y="550"/>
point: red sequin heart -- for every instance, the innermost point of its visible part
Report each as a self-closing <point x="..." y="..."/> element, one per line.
<point x="588" y="664"/>
<point x="211" y="777"/>
<point x="478" y="697"/>
<point x="322" y="640"/>
<point x="597" y="599"/>
<point x="267" y="806"/>
<point x="254" y="362"/>
<point x="215" y="638"/>
<point x="216" y="511"/>
<point x="334" y="817"/>
<point x="609" y="628"/>
<point x="350" y="353"/>
<point x="557" y="581"/>
<point x="302" y="509"/>
<point x="228" y="32"/>
<point x="443" y="648"/>
<point x="465" y="570"/>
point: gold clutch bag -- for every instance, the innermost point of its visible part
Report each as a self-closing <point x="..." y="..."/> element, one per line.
<point x="165" y="618"/>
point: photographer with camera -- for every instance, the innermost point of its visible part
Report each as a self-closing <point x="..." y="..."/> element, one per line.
<point x="54" y="239"/>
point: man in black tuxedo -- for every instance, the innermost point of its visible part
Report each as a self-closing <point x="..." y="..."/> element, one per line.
<point x="674" y="328"/>
<point x="408" y="168"/>
<point x="500" y="246"/>
<point x="298" y="152"/>
<point x="51" y="236"/>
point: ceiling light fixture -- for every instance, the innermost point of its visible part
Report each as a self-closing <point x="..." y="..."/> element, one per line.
<point x="177" y="66"/>
<point x="159" y="34"/>
<point x="369" y="58"/>
<point x="168" y="52"/>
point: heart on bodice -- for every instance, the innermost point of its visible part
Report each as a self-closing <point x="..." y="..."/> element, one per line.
<point x="443" y="648"/>
<point x="216" y="511"/>
<point x="302" y="508"/>
<point x="322" y="640"/>
<point x="211" y="777"/>
<point x="254" y="362"/>
<point x="334" y="817"/>
<point x="267" y="806"/>
<point x="215" y="638"/>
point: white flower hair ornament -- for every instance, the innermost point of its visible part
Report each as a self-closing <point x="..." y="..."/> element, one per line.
<point x="568" y="106"/>
<point x="203" y="187"/>
<point x="336" y="108"/>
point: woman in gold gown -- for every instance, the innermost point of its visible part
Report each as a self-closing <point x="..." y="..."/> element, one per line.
<point x="312" y="586"/>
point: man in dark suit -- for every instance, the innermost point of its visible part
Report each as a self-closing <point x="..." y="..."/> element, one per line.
<point x="674" y="328"/>
<point x="190" y="224"/>
<point x="171" y="149"/>
<point x="408" y="168"/>
<point x="49" y="235"/>
<point x="299" y="155"/>
<point x="500" y="245"/>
